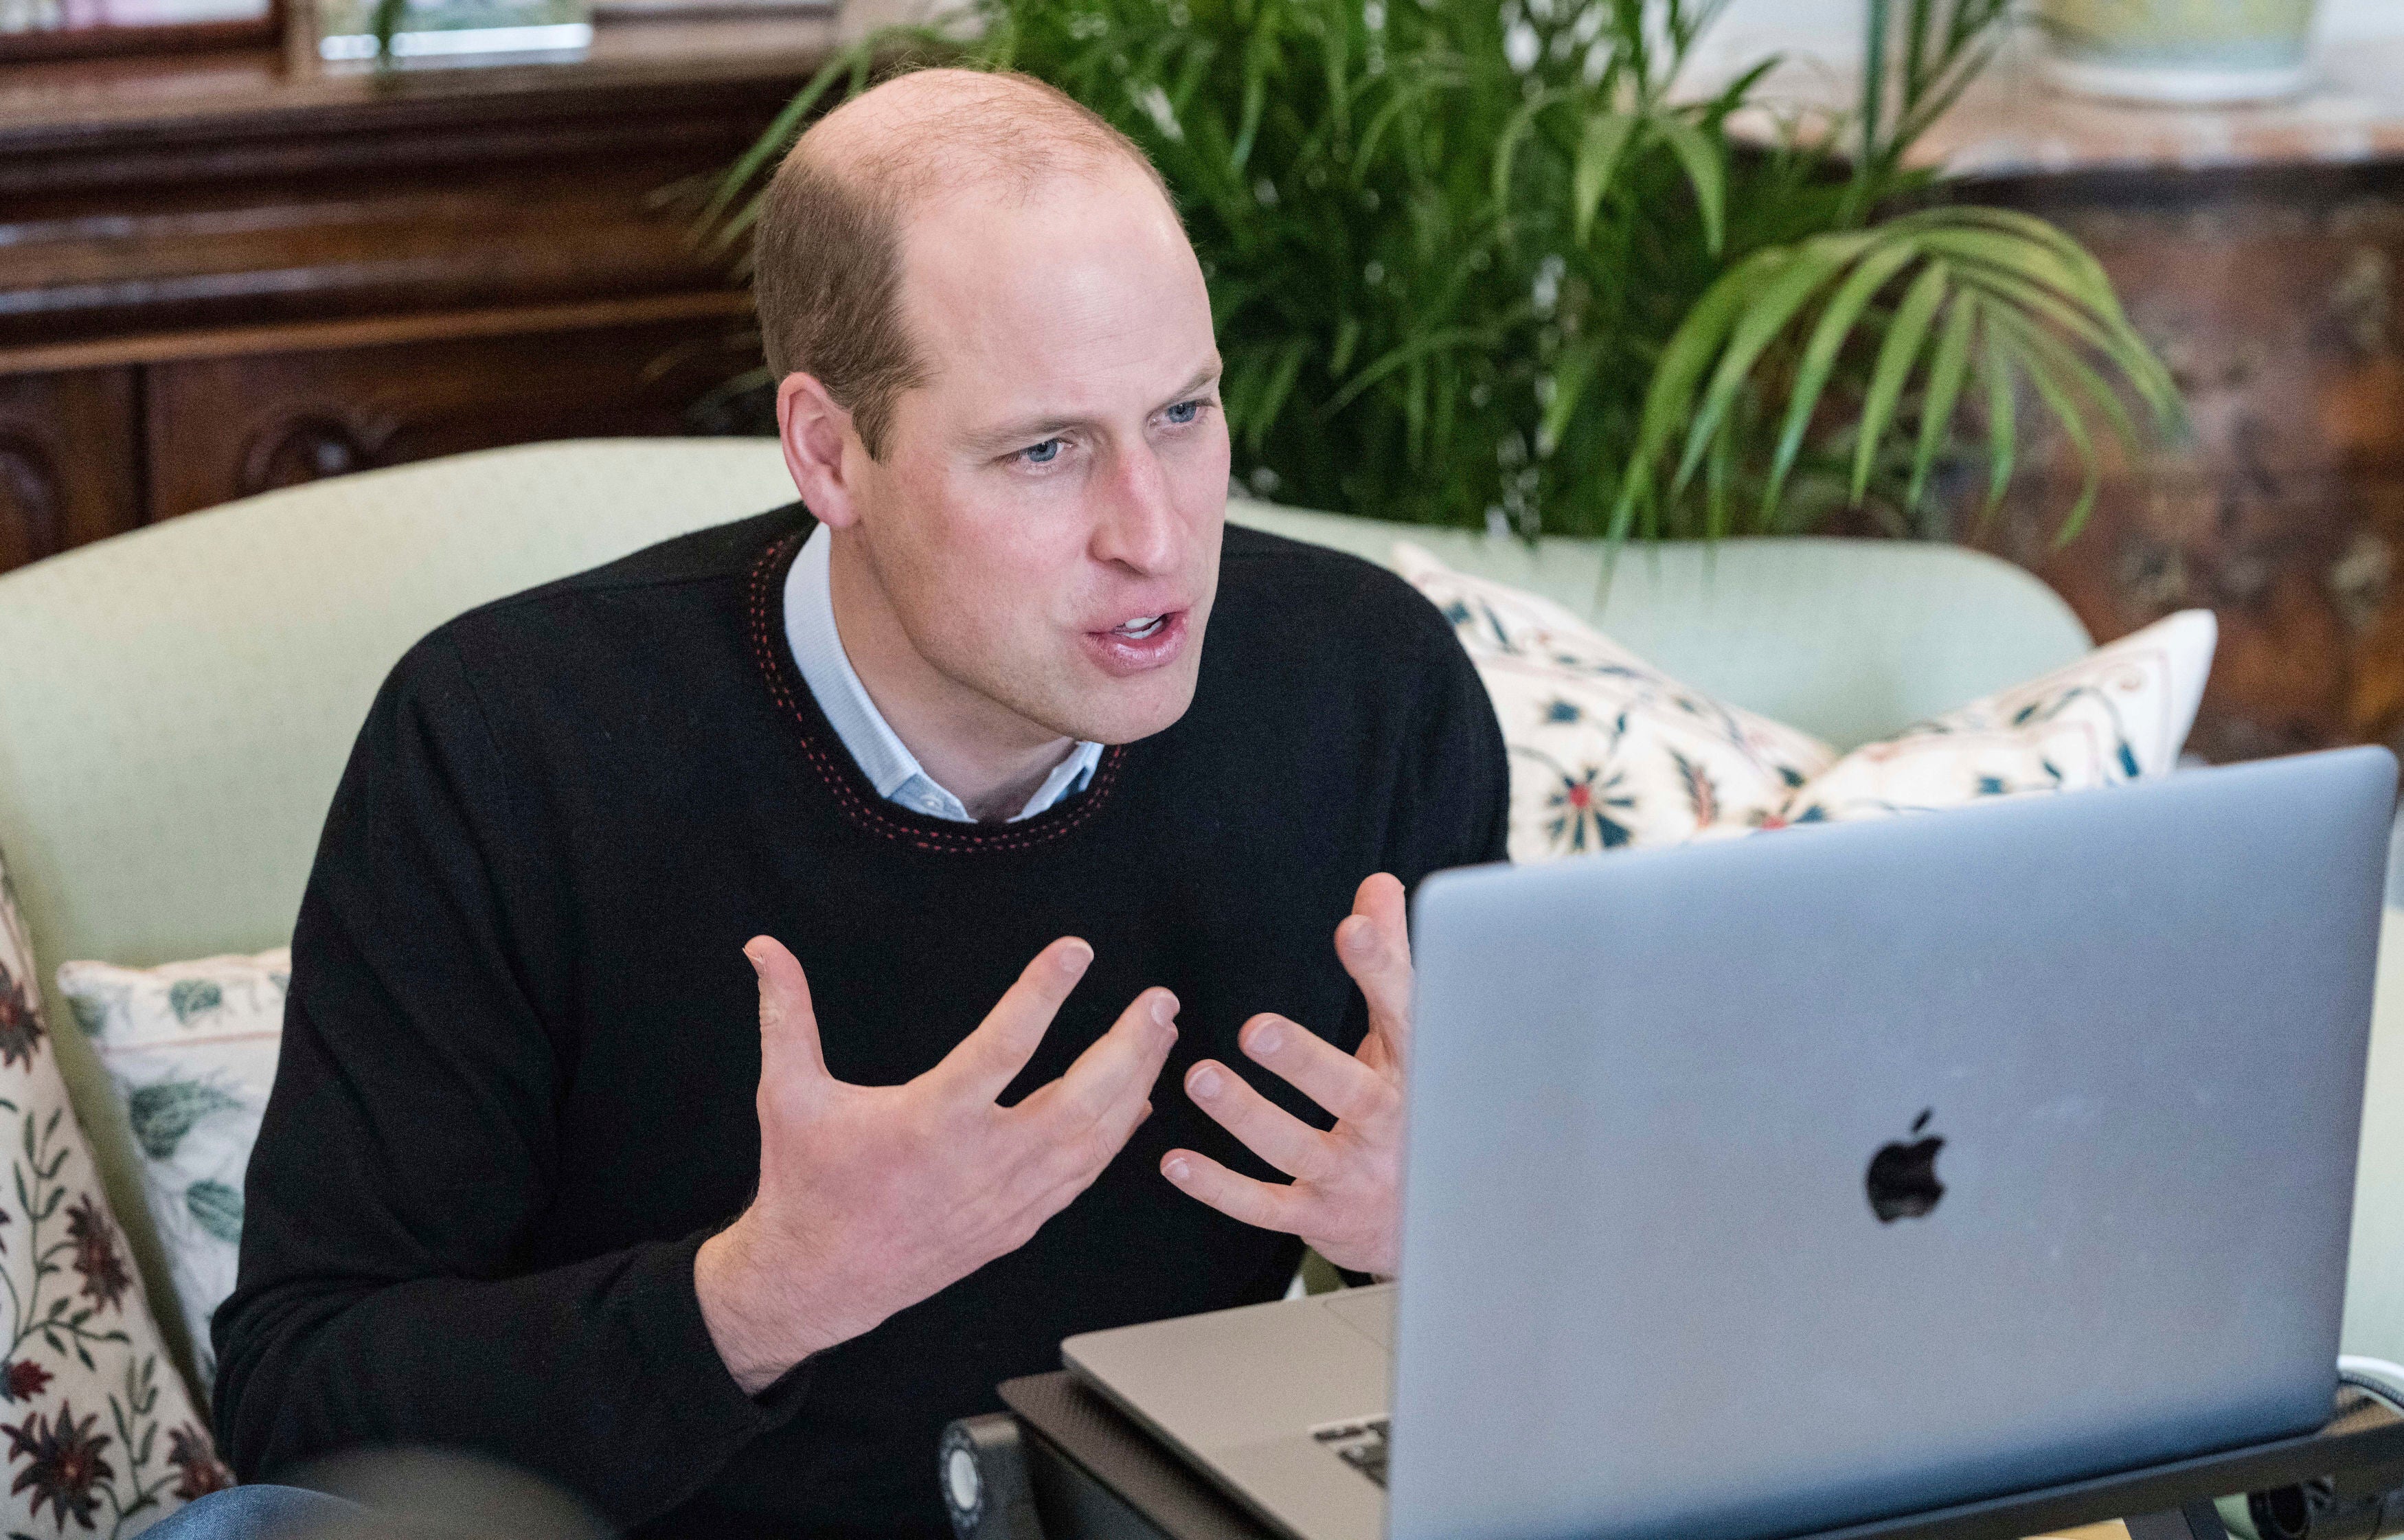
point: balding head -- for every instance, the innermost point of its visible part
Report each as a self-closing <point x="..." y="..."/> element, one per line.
<point x="826" y="259"/>
<point x="998" y="395"/>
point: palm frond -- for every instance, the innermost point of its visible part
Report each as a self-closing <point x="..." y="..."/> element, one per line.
<point x="1482" y="260"/>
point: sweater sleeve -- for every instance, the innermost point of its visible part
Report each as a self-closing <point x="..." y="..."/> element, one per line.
<point x="411" y="1140"/>
<point x="1453" y="806"/>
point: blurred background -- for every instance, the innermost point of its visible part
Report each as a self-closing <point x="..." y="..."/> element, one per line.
<point x="246" y="243"/>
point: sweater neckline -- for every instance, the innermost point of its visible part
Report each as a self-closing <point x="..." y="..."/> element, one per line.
<point x="764" y="610"/>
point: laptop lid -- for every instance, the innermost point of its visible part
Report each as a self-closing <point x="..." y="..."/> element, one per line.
<point x="1646" y="1292"/>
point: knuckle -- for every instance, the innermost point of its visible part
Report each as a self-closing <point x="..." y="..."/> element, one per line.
<point x="1061" y="1163"/>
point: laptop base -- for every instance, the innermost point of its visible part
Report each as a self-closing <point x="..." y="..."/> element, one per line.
<point x="1095" y="1476"/>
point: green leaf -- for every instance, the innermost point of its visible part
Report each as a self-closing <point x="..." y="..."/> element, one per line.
<point x="2120" y="343"/>
<point x="1820" y="259"/>
<point x="2061" y="377"/>
<point x="1271" y="400"/>
<point x="2063" y="362"/>
<point x="1670" y="396"/>
<point x="2050" y="236"/>
<point x="1945" y="376"/>
<point x="1515" y="130"/>
<point x="785" y="128"/>
<point x="1347" y="337"/>
<point x="1873" y="82"/>
<point x="1408" y="354"/>
<point x="1897" y="356"/>
<point x="1571" y="372"/>
<point x="2003" y="438"/>
<point x="1837" y="319"/>
<point x="1258" y="54"/>
<point x="1417" y="151"/>
<point x="2057" y="401"/>
<point x="2028" y="259"/>
<point x="1700" y="156"/>
<point x="1600" y="148"/>
<point x="1719" y="470"/>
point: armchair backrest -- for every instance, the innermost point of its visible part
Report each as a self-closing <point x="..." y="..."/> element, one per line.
<point x="176" y="705"/>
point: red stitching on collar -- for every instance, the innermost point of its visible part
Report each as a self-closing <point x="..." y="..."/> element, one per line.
<point x="874" y="815"/>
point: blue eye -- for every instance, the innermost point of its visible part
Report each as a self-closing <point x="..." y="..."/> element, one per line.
<point x="1184" y="412"/>
<point x="1043" y="454"/>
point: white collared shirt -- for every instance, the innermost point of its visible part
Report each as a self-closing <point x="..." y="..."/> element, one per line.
<point x="879" y="752"/>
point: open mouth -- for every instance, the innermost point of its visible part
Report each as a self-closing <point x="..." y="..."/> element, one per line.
<point x="1140" y="643"/>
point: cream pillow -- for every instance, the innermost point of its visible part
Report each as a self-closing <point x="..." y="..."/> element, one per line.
<point x="1607" y="751"/>
<point x="99" y="1426"/>
<point x="190" y="1049"/>
<point x="2119" y="713"/>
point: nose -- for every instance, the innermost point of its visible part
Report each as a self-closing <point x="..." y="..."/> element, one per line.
<point x="1137" y="526"/>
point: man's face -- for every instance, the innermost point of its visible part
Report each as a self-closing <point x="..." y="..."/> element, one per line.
<point x="1046" y="520"/>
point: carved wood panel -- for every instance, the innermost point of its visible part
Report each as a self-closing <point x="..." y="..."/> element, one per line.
<point x="66" y="461"/>
<point x="225" y="427"/>
<point x="2275" y="299"/>
<point x="233" y="272"/>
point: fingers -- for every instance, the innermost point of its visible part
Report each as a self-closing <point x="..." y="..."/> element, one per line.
<point x="1265" y="1128"/>
<point x="1052" y="1185"/>
<point x="989" y="1059"/>
<point x="1374" y="943"/>
<point x="1268" y="1206"/>
<point x="1120" y="1068"/>
<point x="788" y="1026"/>
<point x="1317" y="1069"/>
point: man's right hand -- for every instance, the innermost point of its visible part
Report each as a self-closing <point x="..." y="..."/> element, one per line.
<point x="872" y="1197"/>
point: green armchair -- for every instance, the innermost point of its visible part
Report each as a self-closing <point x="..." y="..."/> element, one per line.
<point x="176" y="705"/>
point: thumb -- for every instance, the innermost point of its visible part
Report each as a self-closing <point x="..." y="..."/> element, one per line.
<point x="788" y="1026"/>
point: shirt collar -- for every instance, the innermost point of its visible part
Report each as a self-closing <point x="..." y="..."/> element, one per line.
<point x="874" y="747"/>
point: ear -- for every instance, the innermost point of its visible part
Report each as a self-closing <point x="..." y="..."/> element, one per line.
<point x="817" y="436"/>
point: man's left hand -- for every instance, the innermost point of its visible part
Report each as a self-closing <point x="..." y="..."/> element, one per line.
<point x="1345" y="1196"/>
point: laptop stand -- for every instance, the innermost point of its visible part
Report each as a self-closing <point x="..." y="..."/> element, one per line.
<point x="1063" y="1465"/>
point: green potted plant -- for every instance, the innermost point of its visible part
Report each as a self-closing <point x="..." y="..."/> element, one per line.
<point x="1483" y="264"/>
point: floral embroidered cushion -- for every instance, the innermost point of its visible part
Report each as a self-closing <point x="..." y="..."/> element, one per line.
<point x="190" y="1049"/>
<point x="1606" y="751"/>
<point x="100" y="1429"/>
<point x="2119" y="713"/>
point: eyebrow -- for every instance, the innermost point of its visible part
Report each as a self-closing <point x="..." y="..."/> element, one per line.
<point x="1037" y="429"/>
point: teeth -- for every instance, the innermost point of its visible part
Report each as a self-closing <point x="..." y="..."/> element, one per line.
<point x="1140" y="627"/>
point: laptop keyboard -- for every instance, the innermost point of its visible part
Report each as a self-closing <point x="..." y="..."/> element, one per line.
<point x="1361" y="1445"/>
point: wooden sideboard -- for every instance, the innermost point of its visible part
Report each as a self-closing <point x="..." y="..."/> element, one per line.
<point x="222" y="273"/>
<point x="2262" y="250"/>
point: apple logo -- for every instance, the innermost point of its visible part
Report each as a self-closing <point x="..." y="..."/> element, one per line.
<point x="1902" y="1180"/>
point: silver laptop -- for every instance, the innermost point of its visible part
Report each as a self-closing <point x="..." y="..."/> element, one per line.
<point x="1767" y="1186"/>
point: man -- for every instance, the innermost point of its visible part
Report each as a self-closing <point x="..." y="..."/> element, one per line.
<point x="931" y="776"/>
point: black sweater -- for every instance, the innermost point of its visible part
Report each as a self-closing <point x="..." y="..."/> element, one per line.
<point x="516" y="1090"/>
